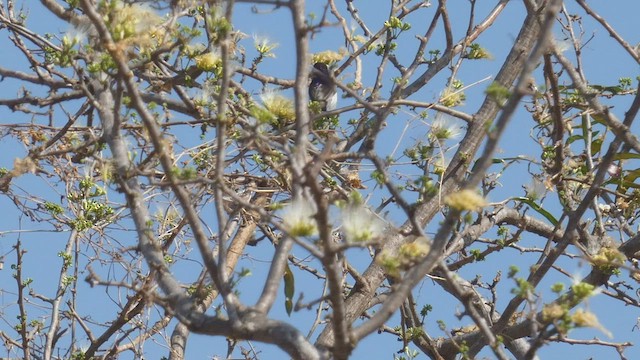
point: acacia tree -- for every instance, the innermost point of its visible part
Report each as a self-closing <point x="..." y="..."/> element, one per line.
<point x="156" y="143"/>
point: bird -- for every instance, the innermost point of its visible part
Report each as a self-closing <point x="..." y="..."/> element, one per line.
<point x="322" y="88"/>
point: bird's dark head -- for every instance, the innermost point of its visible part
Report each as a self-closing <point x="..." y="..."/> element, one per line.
<point x="322" y="68"/>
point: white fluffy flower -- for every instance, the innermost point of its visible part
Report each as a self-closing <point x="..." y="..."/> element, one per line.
<point x="444" y="128"/>
<point x="360" y="223"/>
<point x="264" y="45"/>
<point x="535" y="190"/>
<point x="74" y="36"/>
<point x="298" y="219"/>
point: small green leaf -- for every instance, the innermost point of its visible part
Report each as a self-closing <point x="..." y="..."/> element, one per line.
<point x="289" y="289"/>
<point x="573" y="138"/>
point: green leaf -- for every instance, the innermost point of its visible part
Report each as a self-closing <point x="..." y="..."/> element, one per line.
<point x="624" y="156"/>
<point x="626" y="182"/>
<point x="596" y="145"/>
<point x="632" y="175"/>
<point x="573" y="138"/>
<point x="508" y="159"/>
<point x="288" y="306"/>
<point x="538" y="209"/>
<point x="289" y="289"/>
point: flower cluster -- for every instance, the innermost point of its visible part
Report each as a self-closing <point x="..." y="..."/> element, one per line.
<point x="466" y="199"/>
<point x="277" y="109"/>
<point x="327" y="57"/>
<point x="208" y="61"/>
<point x="407" y="256"/>
<point x="134" y="24"/>
<point x="357" y="222"/>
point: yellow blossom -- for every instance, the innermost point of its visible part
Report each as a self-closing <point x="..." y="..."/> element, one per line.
<point x="391" y="264"/>
<point x="136" y="25"/>
<point x="440" y="164"/>
<point x="414" y="250"/>
<point x="584" y="318"/>
<point x="608" y="259"/>
<point x="552" y="312"/>
<point x="327" y="57"/>
<point x="452" y="97"/>
<point x="208" y="61"/>
<point x="279" y="106"/>
<point x="466" y="199"/>
<point x="408" y="255"/>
